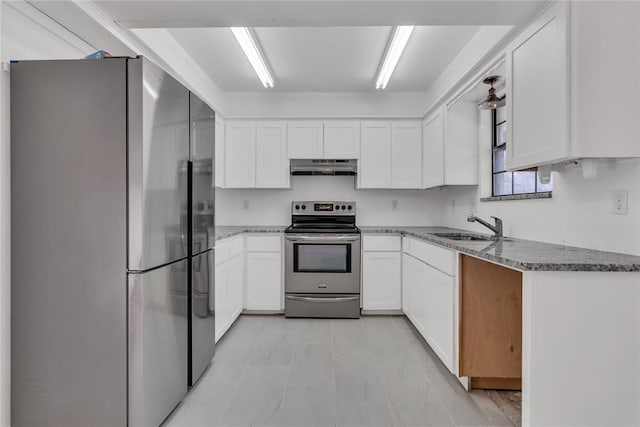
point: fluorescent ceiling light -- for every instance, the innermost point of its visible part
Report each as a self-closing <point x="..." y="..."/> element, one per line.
<point x="400" y="38"/>
<point x="250" y="48"/>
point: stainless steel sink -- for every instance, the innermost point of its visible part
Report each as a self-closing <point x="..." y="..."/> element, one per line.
<point x="466" y="236"/>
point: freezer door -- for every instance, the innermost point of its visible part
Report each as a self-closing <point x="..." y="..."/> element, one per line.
<point x="158" y="340"/>
<point x="202" y="157"/>
<point x="202" y="319"/>
<point x="158" y="153"/>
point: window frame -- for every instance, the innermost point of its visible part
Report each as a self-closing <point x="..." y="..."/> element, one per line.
<point x="503" y="147"/>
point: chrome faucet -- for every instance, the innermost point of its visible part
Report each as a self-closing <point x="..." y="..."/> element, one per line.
<point x="497" y="229"/>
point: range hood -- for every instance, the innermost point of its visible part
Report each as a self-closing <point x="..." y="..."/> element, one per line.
<point x="323" y="167"/>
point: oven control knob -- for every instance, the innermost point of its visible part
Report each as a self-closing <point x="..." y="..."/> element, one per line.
<point x="304" y="207"/>
<point x="344" y="207"/>
<point x="297" y="207"/>
<point x="349" y="207"/>
<point x="337" y="207"/>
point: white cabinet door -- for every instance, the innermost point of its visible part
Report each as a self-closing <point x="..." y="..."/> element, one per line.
<point x="461" y="144"/>
<point x="221" y="300"/>
<point x="219" y="161"/>
<point x="264" y="281"/>
<point x="410" y="282"/>
<point x="236" y="287"/>
<point x="440" y="314"/>
<point x="342" y="140"/>
<point x="421" y="296"/>
<point x="381" y="281"/>
<point x="406" y="155"/>
<point x="538" y="118"/>
<point x="240" y="152"/>
<point x="304" y="140"/>
<point x="375" y="155"/>
<point x="272" y="164"/>
<point x="433" y="150"/>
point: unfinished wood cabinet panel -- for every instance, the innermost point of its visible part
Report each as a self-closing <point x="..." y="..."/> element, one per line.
<point x="490" y="321"/>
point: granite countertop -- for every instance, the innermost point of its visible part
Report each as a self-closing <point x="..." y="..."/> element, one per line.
<point x="526" y="255"/>
<point x="226" y="231"/>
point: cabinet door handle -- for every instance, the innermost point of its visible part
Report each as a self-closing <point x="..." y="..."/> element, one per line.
<point x="330" y="299"/>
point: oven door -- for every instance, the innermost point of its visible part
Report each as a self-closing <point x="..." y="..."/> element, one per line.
<point x="322" y="263"/>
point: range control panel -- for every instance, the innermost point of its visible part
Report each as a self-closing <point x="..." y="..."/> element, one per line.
<point x="339" y="208"/>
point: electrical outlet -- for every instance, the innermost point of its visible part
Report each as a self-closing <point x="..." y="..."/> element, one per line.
<point x="394" y="205"/>
<point x="620" y="202"/>
<point x="474" y="206"/>
<point x="245" y="205"/>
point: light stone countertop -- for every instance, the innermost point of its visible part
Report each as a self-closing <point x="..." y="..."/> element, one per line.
<point x="525" y="255"/>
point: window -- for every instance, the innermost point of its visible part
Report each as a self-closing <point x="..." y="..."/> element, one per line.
<point x="507" y="183"/>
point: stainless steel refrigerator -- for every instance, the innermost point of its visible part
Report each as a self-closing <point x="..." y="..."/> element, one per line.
<point x="107" y="272"/>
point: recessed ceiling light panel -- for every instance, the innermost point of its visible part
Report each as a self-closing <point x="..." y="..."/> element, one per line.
<point x="252" y="52"/>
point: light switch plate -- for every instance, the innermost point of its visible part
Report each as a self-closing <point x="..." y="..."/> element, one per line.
<point x="394" y="205"/>
<point x="620" y="202"/>
<point x="245" y="205"/>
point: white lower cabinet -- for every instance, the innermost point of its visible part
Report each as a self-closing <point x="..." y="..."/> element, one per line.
<point x="439" y="313"/>
<point x="381" y="272"/>
<point x="381" y="276"/>
<point x="428" y="300"/>
<point x="264" y="273"/>
<point x="221" y="300"/>
<point x="229" y="283"/>
<point x="236" y="286"/>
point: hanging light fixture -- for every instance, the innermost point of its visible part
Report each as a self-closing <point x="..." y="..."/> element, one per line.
<point x="492" y="101"/>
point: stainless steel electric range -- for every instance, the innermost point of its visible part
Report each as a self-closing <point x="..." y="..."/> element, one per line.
<point x="322" y="260"/>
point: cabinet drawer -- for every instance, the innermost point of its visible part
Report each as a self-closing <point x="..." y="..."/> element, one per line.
<point x="381" y="243"/>
<point x="236" y="246"/>
<point x="264" y="243"/>
<point x="442" y="259"/>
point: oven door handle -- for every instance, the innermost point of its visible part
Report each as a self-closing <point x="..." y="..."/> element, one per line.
<point x="337" y="238"/>
<point x="326" y="299"/>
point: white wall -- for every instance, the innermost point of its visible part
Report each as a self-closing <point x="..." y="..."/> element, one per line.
<point x="21" y="38"/>
<point x="579" y="214"/>
<point x="373" y="207"/>
<point x="379" y="104"/>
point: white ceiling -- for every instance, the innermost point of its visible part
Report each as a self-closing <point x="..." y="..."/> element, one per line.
<point x="324" y="59"/>
<point x="311" y="45"/>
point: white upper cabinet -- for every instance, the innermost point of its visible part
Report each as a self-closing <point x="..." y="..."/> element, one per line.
<point x="272" y="164"/>
<point x="240" y="152"/>
<point x="461" y="144"/>
<point x="572" y="85"/>
<point x="450" y="146"/>
<point x="433" y="150"/>
<point x="406" y="155"/>
<point x="305" y="140"/>
<point x="219" y="161"/>
<point x="374" y="169"/>
<point x="341" y="140"/>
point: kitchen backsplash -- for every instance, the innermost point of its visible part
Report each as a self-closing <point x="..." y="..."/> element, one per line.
<point x="374" y="207"/>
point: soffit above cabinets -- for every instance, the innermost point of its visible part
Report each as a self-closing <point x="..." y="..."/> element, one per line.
<point x="329" y="59"/>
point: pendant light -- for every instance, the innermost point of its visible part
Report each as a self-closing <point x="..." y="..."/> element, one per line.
<point x="491" y="102"/>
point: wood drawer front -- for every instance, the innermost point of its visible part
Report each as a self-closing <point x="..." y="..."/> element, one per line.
<point x="264" y="243"/>
<point x="442" y="259"/>
<point x="222" y="251"/>
<point x="236" y="246"/>
<point x="381" y="243"/>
